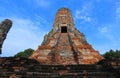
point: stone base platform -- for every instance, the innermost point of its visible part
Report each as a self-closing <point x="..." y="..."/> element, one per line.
<point x="26" y="68"/>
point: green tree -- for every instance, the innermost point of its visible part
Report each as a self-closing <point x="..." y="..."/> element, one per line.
<point x="26" y="53"/>
<point x="111" y="54"/>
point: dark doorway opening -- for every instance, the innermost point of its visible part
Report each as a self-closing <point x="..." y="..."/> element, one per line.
<point x="64" y="29"/>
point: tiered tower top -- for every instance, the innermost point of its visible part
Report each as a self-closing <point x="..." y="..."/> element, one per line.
<point x="63" y="18"/>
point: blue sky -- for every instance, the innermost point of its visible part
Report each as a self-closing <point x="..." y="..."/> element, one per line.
<point x="99" y="20"/>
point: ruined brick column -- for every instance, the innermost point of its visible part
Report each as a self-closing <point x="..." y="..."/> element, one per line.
<point x="4" y="29"/>
<point x="64" y="44"/>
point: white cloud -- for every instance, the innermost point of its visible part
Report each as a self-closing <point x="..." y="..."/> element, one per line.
<point x="23" y="34"/>
<point x="118" y="11"/>
<point x="108" y="38"/>
<point x="103" y="30"/>
<point x="38" y="3"/>
<point x="84" y="13"/>
<point x="43" y="3"/>
<point x="79" y="15"/>
<point x="106" y="33"/>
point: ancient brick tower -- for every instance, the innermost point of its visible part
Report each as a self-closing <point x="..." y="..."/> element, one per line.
<point x="64" y="44"/>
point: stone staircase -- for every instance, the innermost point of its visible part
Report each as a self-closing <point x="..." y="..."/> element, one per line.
<point x="64" y="41"/>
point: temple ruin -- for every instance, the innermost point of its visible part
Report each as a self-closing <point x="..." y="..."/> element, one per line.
<point x="64" y="44"/>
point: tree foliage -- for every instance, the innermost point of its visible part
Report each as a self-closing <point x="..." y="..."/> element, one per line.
<point x="111" y="54"/>
<point x="26" y="53"/>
